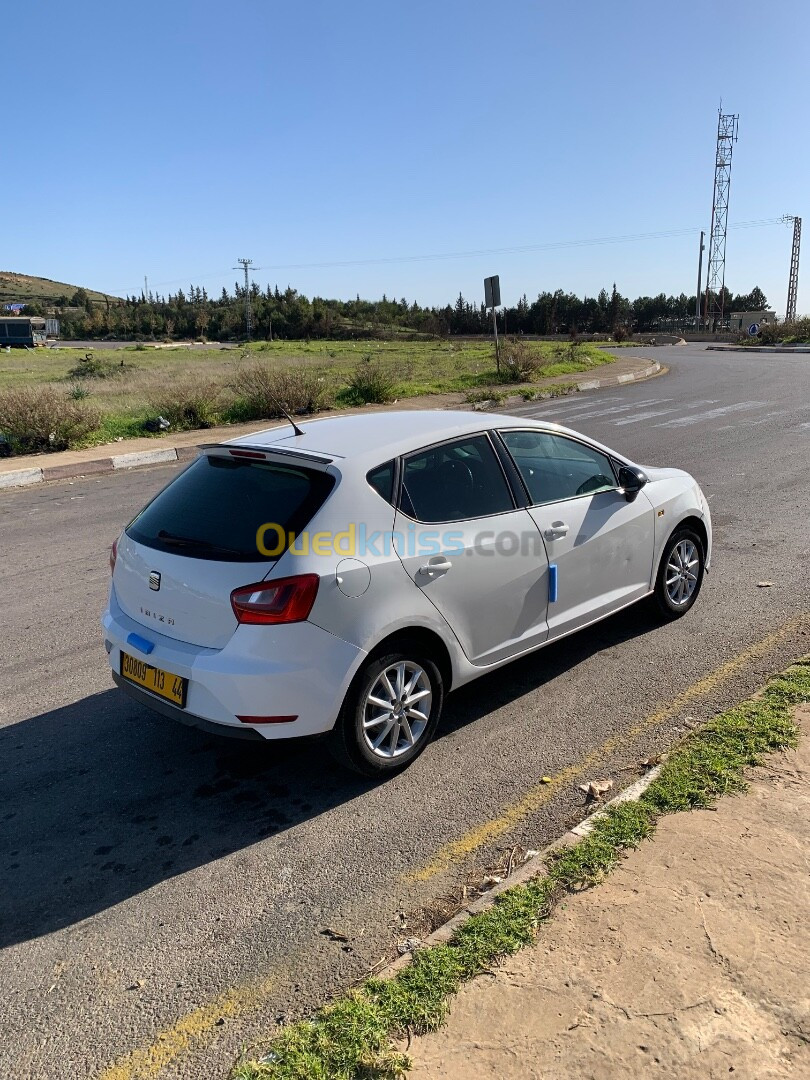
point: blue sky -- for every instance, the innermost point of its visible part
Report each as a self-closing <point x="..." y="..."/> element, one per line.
<point x="171" y="138"/>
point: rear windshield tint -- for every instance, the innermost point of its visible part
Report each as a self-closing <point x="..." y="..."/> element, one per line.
<point x="215" y="508"/>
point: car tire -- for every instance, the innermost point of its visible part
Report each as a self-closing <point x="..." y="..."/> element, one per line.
<point x="376" y="711"/>
<point x="680" y="574"/>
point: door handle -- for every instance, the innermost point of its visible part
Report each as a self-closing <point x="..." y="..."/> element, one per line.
<point x="556" y="530"/>
<point x="435" y="566"/>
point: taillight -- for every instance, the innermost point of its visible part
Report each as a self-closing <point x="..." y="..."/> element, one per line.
<point x="113" y="555"/>
<point x="284" y="600"/>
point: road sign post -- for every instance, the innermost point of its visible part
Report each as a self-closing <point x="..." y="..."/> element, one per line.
<point x="492" y="299"/>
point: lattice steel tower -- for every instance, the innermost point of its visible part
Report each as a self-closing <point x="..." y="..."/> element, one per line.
<point x="793" y="281"/>
<point x="246" y="264"/>
<point x="716" y="277"/>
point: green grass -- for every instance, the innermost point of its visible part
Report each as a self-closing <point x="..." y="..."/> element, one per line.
<point x="126" y="394"/>
<point x="352" y="1039"/>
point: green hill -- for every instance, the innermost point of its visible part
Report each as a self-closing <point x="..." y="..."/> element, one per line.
<point x="24" y="288"/>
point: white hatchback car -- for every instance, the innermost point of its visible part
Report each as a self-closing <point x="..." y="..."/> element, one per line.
<point x="344" y="579"/>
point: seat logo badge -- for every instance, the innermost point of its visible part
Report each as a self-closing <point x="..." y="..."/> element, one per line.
<point x="154" y="580"/>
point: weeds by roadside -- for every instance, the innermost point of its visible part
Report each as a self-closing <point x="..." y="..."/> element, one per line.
<point x="796" y="332"/>
<point x="38" y="418"/>
<point x="368" y="384"/>
<point x="260" y="390"/>
<point x="188" y="405"/>
<point x="487" y="396"/>
<point x="305" y="376"/>
<point x="351" y="1039"/>
<point x="519" y="360"/>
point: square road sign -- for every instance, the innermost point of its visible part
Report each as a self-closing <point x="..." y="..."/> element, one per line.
<point x="492" y="291"/>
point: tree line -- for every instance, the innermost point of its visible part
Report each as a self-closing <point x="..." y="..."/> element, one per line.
<point x="288" y="314"/>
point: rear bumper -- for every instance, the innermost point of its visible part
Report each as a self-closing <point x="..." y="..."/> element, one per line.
<point x="297" y="670"/>
<point x="183" y="716"/>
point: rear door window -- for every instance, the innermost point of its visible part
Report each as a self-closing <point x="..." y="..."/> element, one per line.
<point x="455" y="481"/>
<point x="215" y="508"/>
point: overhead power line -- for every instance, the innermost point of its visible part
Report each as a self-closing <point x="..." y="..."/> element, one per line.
<point x="551" y="246"/>
<point x="555" y="245"/>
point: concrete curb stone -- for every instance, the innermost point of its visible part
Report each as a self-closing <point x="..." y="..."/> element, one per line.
<point x="784" y="350"/>
<point x="532" y="868"/>
<point x="67" y="472"/>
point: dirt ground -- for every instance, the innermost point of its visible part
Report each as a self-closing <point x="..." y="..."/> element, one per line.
<point x="691" y="961"/>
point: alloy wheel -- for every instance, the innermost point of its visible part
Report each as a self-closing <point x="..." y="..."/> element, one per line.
<point x="681" y="575"/>
<point x="396" y="709"/>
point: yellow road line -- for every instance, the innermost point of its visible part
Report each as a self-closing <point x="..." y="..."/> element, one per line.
<point x="187" y="1032"/>
<point x="192" y="1030"/>
<point x="537" y="796"/>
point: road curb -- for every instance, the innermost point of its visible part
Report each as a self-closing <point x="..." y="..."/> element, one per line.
<point x="621" y="380"/>
<point x="26" y="477"/>
<point x="786" y="350"/>
<point x="144" y="457"/>
<point x="533" y="867"/>
<point x="20" y="478"/>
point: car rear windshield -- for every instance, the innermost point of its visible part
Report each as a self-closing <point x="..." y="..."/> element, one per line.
<point x="215" y="509"/>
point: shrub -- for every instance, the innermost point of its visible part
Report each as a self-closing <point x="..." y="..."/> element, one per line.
<point x="784" y="332"/>
<point x="187" y="405"/>
<point x="620" y="333"/>
<point x="485" y="396"/>
<point x="77" y="392"/>
<point x="518" y="362"/>
<point x="96" y="367"/>
<point x="37" y="418"/>
<point x="369" y="384"/>
<point x="261" y="390"/>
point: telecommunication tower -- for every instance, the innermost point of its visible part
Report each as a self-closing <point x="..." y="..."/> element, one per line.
<point x="727" y="124"/>
<point x="793" y="280"/>
<point x="246" y="265"/>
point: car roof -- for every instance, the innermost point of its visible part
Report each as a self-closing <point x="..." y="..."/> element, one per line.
<point x="373" y="438"/>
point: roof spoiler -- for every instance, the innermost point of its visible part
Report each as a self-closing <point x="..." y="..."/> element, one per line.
<point x="264" y="453"/>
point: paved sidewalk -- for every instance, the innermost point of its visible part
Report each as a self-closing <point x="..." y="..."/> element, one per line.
<point x="691" y="961"/>
<point x="183" y="445"/>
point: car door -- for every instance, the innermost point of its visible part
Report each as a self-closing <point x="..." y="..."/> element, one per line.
<point x="599" y="544"/>
<point x="472" y="551"/>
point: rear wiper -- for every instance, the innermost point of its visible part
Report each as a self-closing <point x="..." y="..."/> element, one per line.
<point x="190" y="541"/>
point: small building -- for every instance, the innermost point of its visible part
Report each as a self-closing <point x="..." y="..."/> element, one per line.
<point x="741" y="320"/>
<point x="22" y="330"/>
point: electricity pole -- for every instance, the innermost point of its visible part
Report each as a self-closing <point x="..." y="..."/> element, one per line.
<point x="700" y="276"/>
<point x="246" y="264"/>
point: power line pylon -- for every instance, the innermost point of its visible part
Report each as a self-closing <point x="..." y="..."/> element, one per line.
<point x="727" y="124"/>
<point x="793" y="280"/>
<point x="246" y="264"/>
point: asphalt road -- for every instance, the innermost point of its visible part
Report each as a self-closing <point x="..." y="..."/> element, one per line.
<point x="163" y="893"/>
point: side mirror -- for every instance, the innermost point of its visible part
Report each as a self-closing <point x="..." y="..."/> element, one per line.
<point x="631" y="481"/>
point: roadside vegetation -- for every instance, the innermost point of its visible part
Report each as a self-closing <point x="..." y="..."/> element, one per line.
<point x="87" y="397"/>
<point x="289" y="314"/>
<point x="353" y="1038"/>
<point x="783" y="333"/>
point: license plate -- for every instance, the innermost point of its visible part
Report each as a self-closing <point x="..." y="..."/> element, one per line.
<point x="163" y="683"/>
